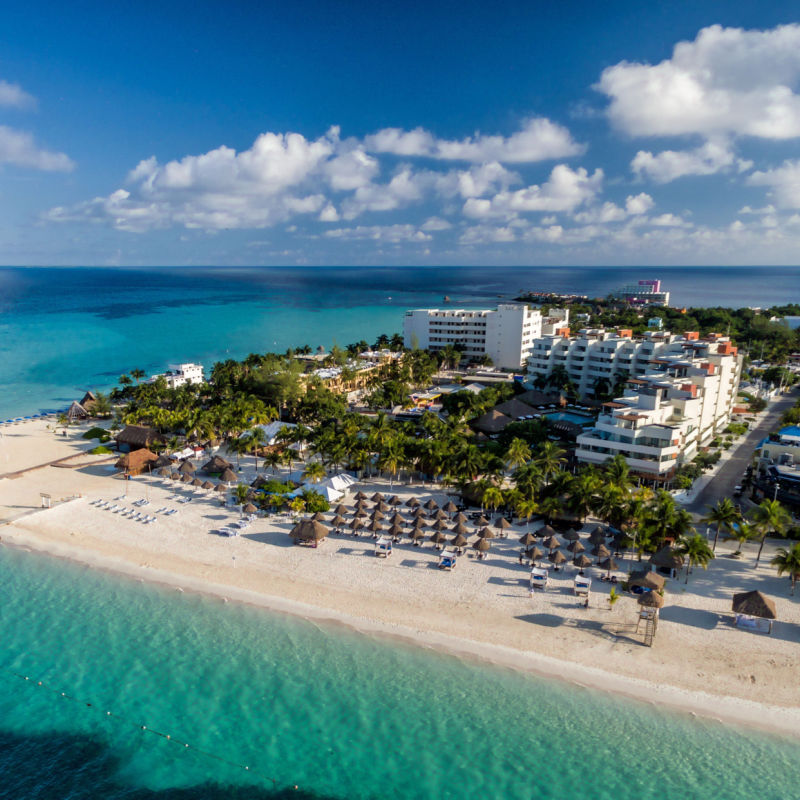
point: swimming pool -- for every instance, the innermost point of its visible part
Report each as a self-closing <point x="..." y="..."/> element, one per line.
<point x="570" y="416"/>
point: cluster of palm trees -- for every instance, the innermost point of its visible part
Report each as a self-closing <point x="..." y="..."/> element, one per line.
<point x="766" y="518"/>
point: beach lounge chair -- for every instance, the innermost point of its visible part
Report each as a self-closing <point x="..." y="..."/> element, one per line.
<point x="539" y="577"/>
<point x="447" y="561"/>
<point x="383" y="547"/>
<point x="582" y="585"/>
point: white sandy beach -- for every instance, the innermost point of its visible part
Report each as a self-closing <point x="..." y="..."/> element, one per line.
<point x="699" y="661"/>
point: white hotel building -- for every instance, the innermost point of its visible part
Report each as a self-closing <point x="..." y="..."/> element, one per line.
<point x="505" y="334"/>
<point x="680" y="393"/>
<point x="181" y="375"/>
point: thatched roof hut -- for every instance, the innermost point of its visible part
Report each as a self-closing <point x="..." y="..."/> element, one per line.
<point x="88" y="400"/>
<point x="135" y="437"/>
<point x="137" y="462"/>
<point x="76" y="412"/>
<point x="492" y="422"/>
<point x="754" y="604"/>
<point x="647" y="580"/>
<point x="309" y="531"/>
<point x="667" y="558"/>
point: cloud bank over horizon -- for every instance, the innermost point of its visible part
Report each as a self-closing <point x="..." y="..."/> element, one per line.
<point x="538" y="188"/>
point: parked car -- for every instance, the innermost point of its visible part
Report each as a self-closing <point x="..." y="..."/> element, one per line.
<point x="737" y="491"/>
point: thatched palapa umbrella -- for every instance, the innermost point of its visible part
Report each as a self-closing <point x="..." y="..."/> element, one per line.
<point x="597" y="536"/>
<point x="338" y="521"/>
<point x="651" y="600"/>
<point x="431" y="505"/>
<point x="459" y="541"/>
<point x="176" y="476"/>
<point x="546" y="531"/>
<point x="601" y="551"/>
<point x="576" y="548"/>
<point x="439" y="525"/>
<point x="186" y="478"/>
<point x="557" y="557"/>
<point x="502" y="524"/>
<point x="460" y="517"/>
<point x="481" y="522"/>
<point x="582" y="562"/>
<point x="375" y="526"/>
<point x="208" y="485"/>
<point x="228" y="476"/>
<point x="551" y="543"/>
<point x="377" y="497"/>
<point x="318" y="517"/>
<point x="460" y="528"/>
<point x="360" y="496"/>
<point x="394" y="500"/>
<point x="308" y="531"/>
<point x="439" y="514"/>
<point x="571" y="535"/>
<point x="485" y="533"/>
<point x="382" y="507"/>
<point x="438" y="538"/>
<point x="187" y="468"/>
<point x="450" y="507"/>
<point x="197" y="482"/>
<point x="356" y="524"/>
<point x="754" y="604"/>
<point x="417" y="534"/>
<point x="250" y="509"/>
<point x="220" y="487"/>
<point x="527" y="540"/>
<point x="376" y="515"/>
<point x="418" y="513"/>
<point x="609" y="564"/>
<point x="482" y="546"/>
<point x="341" y="509"/>
<point x="163" y="472"/>
<point x="534" y="553"/>
<point x="412" y="502"/>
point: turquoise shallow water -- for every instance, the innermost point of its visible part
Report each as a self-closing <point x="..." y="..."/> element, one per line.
<point x="336" y="713"/>
<point x="65" y="330"/>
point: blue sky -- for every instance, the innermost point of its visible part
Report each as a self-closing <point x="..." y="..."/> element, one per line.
<point x="414" y="133"/>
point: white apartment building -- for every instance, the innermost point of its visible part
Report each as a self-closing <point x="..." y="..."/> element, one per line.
<point x="664" y="416"/>
<point x="181" y="375"/>
<point x="505" y="334"/>
<point x="597" y="353"/>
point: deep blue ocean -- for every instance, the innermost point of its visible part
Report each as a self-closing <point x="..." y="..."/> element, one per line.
<point x="63" y="330"/>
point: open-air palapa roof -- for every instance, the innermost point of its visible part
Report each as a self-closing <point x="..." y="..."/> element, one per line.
<point x="88" y="400"/>
<point x="667" y="558"/>
<point x="77" y="411"/>
<point x="309" y="531"/>
<point x="137" y="436"/>
<point x="647" y="580"/>
<point x="216" y="464"/>
<point x="137" y="461"/>
<point x="754" y="604"/>
<point x="492" y="422"/>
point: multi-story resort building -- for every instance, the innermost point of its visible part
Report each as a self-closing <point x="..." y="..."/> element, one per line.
<point x="679" y="391"/>
<point x="181" y="375"/>
<point x="643" y="293"/>
<point x="505" y="334"/>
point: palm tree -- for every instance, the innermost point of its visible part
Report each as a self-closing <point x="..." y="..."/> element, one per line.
<point x="124" y="380"/>
<point x="240" y="492"/>
<point x="742" y="532"/>
<point x="518" y="453"/>
<point x="618" y="472"/>
<point x="696" y="550"/>
<point x="788" y="560"/>
<point x="254" y="440"/>
<point x="549" y="459"/>
<point x="272" y="459"/>
<point x="769" y="516"/>
<point x="724" y="514"/>
<point x="137" y="374"/>
<point x="314" y="472"/>
<point x="526" y="508"/>
<point x="102" y="405"/>
<point x="492" y="497"/>
<point x="550" y="506"/>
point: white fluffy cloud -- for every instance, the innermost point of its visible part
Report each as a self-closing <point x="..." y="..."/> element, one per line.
<point x="708" y="159"/>
<point x="564" y="191"/>
<point x="12" y="95"/>
<point x="20" y="149"/>
<point x="783" y="183"/>
<point x="635" y="205"/>
<point x="539" y="139"/>
<point x="728" y="81"/>
<point x="381" y="233"/>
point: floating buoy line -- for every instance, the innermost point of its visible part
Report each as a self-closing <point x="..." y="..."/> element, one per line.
<point x="144" y="728"/>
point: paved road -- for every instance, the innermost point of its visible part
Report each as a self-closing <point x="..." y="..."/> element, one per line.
<point x="732" y="471"/>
